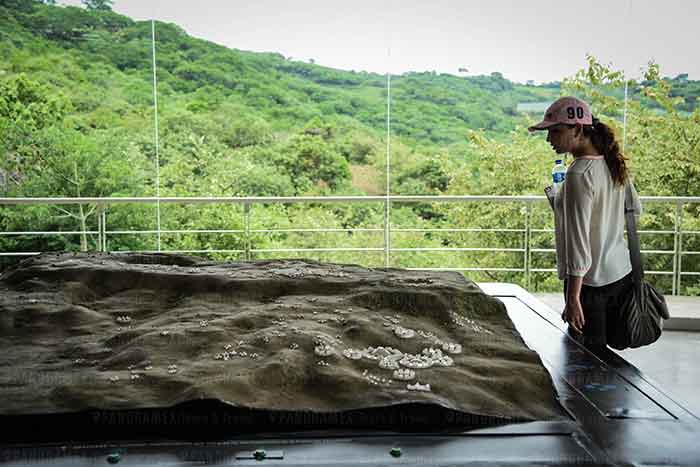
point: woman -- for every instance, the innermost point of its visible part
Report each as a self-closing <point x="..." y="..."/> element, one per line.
<point x="589" y="218"/>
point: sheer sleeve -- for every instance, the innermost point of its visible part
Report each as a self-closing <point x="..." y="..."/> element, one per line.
<point x="577" y="214"/>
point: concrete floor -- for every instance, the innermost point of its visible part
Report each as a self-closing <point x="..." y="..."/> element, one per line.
<point x="673" y="362"/>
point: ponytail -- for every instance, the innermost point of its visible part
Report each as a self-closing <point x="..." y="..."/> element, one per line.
<point x="603" y="139"/>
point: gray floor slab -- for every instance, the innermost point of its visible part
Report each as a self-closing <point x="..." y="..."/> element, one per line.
<point x="674" y="360"/>
<point x="673" y="363"/>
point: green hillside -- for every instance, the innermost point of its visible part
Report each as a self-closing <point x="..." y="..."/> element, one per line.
<point x="106" y="51"/>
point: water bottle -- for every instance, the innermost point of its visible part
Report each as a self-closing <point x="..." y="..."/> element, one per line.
<point x="558" y="175"/>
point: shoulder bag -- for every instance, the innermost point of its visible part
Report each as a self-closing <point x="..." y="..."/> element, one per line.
<point x="640" y="319"/>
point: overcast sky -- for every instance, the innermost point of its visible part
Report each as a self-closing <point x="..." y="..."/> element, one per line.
<point x="540" y="40"/>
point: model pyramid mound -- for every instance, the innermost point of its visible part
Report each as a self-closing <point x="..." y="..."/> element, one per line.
<point x="130" y="331"/>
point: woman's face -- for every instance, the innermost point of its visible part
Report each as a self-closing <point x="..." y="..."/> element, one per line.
<point x="562" y="138"/>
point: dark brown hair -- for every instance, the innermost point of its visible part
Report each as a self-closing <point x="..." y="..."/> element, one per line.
<point x="603" y="139"/>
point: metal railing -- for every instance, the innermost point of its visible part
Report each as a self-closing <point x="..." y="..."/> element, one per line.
<point x="102" y="233"/>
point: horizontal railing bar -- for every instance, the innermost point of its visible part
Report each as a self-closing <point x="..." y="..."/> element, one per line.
<point x="392" y="249"/>
<point x="656" y="231"/>
<point x="457" y="249"/>
<point x="313" y="230"/>
<point x="317" y="230"/>
<point x="127" y="232"/>
<point x="122" y="232"/>
<point x="393" y="229"/>
<point x="24" y="253"/>
<point x="366" y="249"/>
<point x="467" y="269"/>
<point x="131" y="232"/>
<point x="271" y="199"/>
<point x="668" y="199"/>
<point x="273" y="250"/>
<point x="316" y="199"/>
<point x="64" y="232"/>
<point x="171" y="231"/>
<point x="175" y="251"/>
<point x="638" y="231"/>
<point x="241" y="231"/>
<point x="665" y="252"/>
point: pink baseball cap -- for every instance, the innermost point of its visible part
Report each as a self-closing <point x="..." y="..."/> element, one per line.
<point x="568" y="110"/>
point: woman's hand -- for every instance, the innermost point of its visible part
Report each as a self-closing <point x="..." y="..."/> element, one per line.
<point x="573" y="314"/>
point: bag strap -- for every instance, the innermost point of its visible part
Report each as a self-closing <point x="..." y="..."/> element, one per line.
<point x="632" y="238"/>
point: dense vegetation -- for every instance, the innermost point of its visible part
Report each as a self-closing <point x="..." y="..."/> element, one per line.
<point x="77" y="120"/>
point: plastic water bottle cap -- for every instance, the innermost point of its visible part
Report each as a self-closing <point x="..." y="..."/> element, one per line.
<point x="558" y="161"/>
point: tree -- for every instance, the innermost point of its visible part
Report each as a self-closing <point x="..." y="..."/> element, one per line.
<point x="70" y="23"/>
<point x="26" y="107"/>
<point x="103" y="5"/>
<point x="17" y="5"/>
<point x="46" y="158"/>
<point x="27" y="103"/>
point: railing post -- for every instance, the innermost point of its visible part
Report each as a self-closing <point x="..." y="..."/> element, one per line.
<point x="387" y="246"/>
<point x="677" y="249"/>
<point x="104" y="230"/>
<point x="528" y="214"/>
<point x="100" y="227"/>
<point x="246" y="210"/>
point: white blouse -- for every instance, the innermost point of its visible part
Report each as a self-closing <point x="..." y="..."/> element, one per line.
<point x="589" y="224"/>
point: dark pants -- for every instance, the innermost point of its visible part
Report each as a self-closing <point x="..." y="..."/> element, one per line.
<point x="598" y="304"/>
